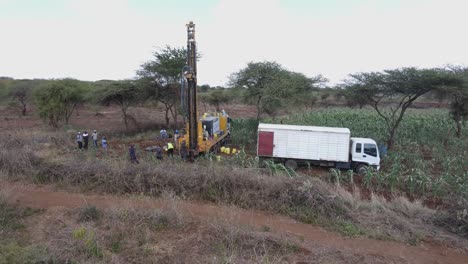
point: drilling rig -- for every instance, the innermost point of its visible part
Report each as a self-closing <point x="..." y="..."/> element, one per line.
<point x="210" y="131"/>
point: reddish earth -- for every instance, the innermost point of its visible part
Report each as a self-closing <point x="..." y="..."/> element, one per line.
<point x="311" y="238"/>
<point x="108" y="118"/>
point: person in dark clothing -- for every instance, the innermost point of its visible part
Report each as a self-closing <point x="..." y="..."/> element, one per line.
<point x="79" y="140"/>
<point x="159" y="154"/>
<point x="85" y="139"/>
<point x="133" y="158"/>
<point x="183" y="151"/>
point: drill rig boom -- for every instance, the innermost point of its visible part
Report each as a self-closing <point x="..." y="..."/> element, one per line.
<point x="211" y="131"/>
<point x="191" y="77"/>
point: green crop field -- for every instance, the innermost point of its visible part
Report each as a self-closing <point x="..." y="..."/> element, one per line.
<point x="427" y="161"/>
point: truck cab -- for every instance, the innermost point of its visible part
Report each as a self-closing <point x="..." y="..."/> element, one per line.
<point x="364" y="153"/>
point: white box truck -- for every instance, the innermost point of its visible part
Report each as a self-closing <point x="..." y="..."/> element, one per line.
<point x="321" y="146"/>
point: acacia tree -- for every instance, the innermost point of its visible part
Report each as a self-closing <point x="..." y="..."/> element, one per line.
<point x="269" y="86"/>
<point x="392" y="92"/>
<point x="162" y="77"/>
<point x="218" y="97"/>
<point x="458" y="97"/>
<point x="204" y="88"/>
<point x="21" y="90"/>
<point x="74" y="93"/>
<point x="459" y="109"/>
<point x="123" y="93"/>
<point x="57" y="100"/>
<point x="353" y="98"/>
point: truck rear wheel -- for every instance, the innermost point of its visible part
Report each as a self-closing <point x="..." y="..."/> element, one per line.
<point x="292" y="164"/>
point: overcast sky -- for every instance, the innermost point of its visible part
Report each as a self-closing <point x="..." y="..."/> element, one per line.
<point x="110" y="39"/>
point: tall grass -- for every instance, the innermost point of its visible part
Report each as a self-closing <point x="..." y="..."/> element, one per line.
<point x="422" y="126"/>
<point x="244" y="132"/>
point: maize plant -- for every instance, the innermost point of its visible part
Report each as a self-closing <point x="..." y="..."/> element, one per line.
<point x="428" y="160"/>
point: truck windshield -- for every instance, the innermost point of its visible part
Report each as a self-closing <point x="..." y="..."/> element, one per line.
<point x="370" y="149"/>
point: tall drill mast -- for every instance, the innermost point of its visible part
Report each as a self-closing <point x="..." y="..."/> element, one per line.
<point x="191" y="78"/>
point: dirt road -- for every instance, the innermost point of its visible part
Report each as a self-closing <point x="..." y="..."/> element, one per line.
<point x="311" y="237"/>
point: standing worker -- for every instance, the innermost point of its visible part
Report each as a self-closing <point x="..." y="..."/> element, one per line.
<point x="94" y="135"/>
<point x="183" y="151"/>
<point x="85" y="139"/>
<point x="170" y="149"/>
<point x="158" y="150"/>
<point x="133" y="158"/>
<point x="104" y="144"/>
<point x="79" y="140"/>
<point x="176" y="136"/>
<point x="163" y="133"/>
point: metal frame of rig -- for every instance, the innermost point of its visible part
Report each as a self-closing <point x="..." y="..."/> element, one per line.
<point x="212" y="130"/>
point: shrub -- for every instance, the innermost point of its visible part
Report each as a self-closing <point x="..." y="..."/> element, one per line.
<point x="455" y="218"/>
<point x="14" y="253"/>
<point x="10" y="217"/>
<point x="88" y="242"/>
<point x="89" y="213"/>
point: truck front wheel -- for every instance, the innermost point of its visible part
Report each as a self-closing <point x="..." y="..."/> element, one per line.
<point x="292" y="164"/>
<point x="361" y="169"/>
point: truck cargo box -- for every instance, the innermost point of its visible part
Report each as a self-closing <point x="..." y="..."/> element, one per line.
<point x="303" y="142"/>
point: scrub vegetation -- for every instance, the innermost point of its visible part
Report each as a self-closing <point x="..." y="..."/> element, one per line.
<point x="420" y="194"/>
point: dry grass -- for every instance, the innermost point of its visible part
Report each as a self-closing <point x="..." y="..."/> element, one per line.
<point x="132" y="235"/>
<point x="14" y="248"/>
<point x="239" y="244"/>
<point x="398" y="219"/>
<point x="455" y="218"/>
<point x="119" y="235"/>
<point x="306" y="199"/>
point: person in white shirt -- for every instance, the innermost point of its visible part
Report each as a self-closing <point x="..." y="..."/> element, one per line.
<point x="79" y="140"/>
<point x="95" y="139"/>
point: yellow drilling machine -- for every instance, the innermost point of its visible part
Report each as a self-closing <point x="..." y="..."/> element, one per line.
<point x="205" y="133"/>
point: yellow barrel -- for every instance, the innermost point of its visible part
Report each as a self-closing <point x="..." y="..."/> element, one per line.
<point x="218" y="158"/>
<point x="234" y="151"/>
<point x="228" y="151"/>
<point x="223" y="149"/>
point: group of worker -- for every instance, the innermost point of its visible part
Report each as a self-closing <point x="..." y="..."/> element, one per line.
<point x="82" y="140"/>
<point x="183" y="151"/>
<point x="159" y="152"/>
